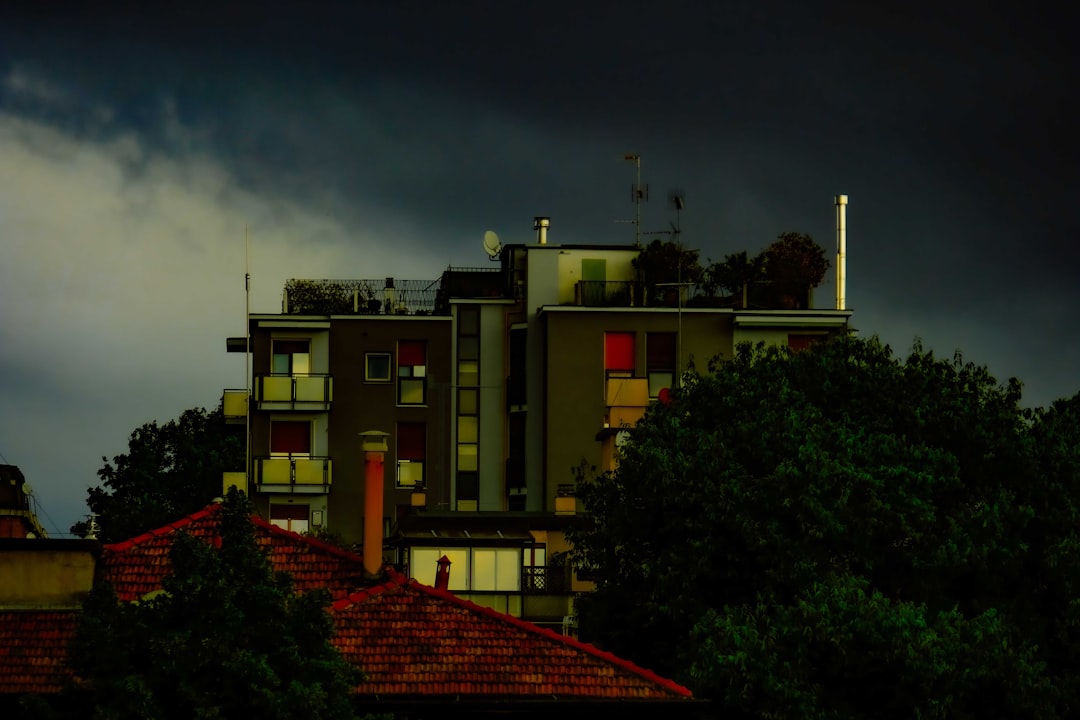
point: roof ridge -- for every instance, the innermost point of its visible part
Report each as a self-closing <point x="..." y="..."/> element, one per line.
<point x="314" y="542"/>
<point x="398" y="580"/>
<point x="163" y="530"/>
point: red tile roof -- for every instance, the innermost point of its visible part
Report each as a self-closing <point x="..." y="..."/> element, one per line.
<point x="33" y="646"/>
<point x="136" y="567"/>
<point x="414" y="641"/>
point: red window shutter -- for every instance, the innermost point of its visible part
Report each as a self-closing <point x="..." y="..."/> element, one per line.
<point x="660" y="351"/>
<point x="289" y="512"/>
<point x="290" y="436"/>
<point x="800" y="342"/>
<point x="619" y="351"/>
<point x="412" y="352"/>
<point x="411" y="441"/>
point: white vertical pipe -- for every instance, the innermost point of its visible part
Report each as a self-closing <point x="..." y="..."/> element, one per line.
<point x="841" y="251"/>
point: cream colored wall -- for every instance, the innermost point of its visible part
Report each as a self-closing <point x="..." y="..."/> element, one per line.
<point x="45" y="578"/>
<point x="618" y="267"/>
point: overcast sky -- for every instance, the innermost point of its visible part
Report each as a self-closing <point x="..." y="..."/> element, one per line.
<point x="366" y="140"/>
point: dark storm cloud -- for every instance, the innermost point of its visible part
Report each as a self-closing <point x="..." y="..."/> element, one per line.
<point x="388" y="137"/>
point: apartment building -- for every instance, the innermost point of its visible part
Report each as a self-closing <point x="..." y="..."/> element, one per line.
<point x="493" y="386"/>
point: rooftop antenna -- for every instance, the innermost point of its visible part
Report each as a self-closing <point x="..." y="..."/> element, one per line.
<point x="639" y="193"/>
<point x="677" y="200"/>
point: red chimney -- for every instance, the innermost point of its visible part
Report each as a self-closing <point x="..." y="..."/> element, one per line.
<point x="374" y="447"/>
<point x="442" y="575"/>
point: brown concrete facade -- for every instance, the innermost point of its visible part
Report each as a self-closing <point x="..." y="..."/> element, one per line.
<point x="360" y="404"/>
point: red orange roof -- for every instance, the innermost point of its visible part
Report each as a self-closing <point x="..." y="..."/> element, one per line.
<point x="414" y="641"/>
<point x="33" y="646"/>
<point x="136" y="567"/>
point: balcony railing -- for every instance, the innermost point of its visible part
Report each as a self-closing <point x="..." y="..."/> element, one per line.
<point x="301" y="392"/>
<point x="293" y="471"/>
<point x="627" y="392"/>
<point x="542" y="579"/>
<point x="234" y="406"/>
<point x="608" y="293"/>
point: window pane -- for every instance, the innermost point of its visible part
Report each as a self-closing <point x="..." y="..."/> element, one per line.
<point x="412" y="392"/>
<point x="658" y="381"/>
<point x="424" y="563"/>
<point x="377" y="366"/>
<point x="467" y="429"/>
<point x="410" y="473"/>
<point x="467" y="461"/>
<point x="280" y="364"/>
<point x="507" y="570"/>
<point x="619" y="351"/>
<point x="468" y="373"/>
<point x="469" y="321"/>
<point x="483" y="569"/>
<point x="301" y="363"/>
<point x="468" y="486"/>
<point x="469" y="348"/>
<point x="467" y="402"/>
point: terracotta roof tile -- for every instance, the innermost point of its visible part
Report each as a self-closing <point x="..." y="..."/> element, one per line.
<point x="138" y="566"/>
<point x="33" y="647"/>
<point x="415" y="641"/>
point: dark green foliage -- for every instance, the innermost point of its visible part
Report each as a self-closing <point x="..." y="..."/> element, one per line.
<point x="227" y="638"/>
<point x="318" y="297"/>
<point x="837" y="533"/>
<point x="662" y="262"/>
<point x="735" y="275"/>
<point x="169" y="471"/>
<point x="794" y="264"/>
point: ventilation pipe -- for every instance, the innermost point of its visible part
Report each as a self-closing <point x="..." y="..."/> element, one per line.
<point x="841" y="251"/>
<point x="374" y="447"/>
<point x="540" y="225"/>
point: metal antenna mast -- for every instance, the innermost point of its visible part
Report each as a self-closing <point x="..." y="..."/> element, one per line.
<point x="639" y="194"/>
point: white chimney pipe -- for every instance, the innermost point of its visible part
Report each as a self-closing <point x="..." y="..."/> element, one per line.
<point x="841" y="251"/>
<point x="540" y="225"/>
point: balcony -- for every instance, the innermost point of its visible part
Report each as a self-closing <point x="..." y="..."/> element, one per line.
<point x="301" y="474"/>
<point x="294" y="392"/>
<point x="627" y="392"/>
<point x="608" y="293"/>
<point x="234" y="405"/>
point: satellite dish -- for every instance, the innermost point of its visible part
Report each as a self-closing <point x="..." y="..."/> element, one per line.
<point x="492" y="246"/>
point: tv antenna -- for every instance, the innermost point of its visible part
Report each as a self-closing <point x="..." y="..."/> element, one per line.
<point x="492" y="246"/>
<point x="638" y="193"/>
<point x="677" y="200"/>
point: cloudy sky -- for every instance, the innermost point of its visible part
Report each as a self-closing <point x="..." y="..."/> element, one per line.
<point x="366" y="140"/>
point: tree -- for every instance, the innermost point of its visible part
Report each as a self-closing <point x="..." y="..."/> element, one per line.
<point x="735" y="274"/>
<point x="794" y="265"/>
<point x="169" y="471"/>
<point x="227" y="638"/>
<point x="663" y="262"/>
<point x="836" y="533"/>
